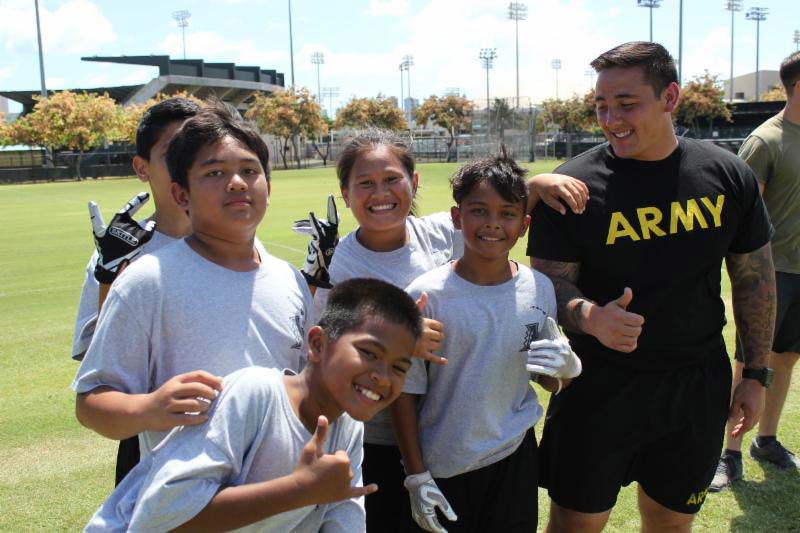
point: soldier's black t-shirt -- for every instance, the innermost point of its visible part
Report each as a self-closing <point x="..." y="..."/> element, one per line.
<point x="661" y="228"/>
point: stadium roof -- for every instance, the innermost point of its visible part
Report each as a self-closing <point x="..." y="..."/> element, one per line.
<point x="229" y="82"/>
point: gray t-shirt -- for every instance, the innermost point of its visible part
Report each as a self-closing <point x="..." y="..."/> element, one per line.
<point x="476" y="409"/>
<point x="252" y="435"/>
<point x="173" y="311"/>
<point x="87" y="308"/>
<point x="433" y="241"/>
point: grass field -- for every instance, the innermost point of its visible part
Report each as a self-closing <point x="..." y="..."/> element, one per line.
<point x="56" y="473"/>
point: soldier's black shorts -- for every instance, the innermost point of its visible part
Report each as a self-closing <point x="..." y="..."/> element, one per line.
<point x="787" y="318"/>
<point x="614" y="425"/>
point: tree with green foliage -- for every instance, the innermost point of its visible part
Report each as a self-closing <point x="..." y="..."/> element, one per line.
<point x="572" y="115"/>
<point x="288" y="115"/>
<point x="502" y="117"/>
<point x="701" y="102"/>
<point x="131" y="114"/>
<point x="5" y="131"/>
<point x="453" y="113"/>
<point x="69" y="121"/>
<point x="379" y="112"/>
<point x="776" y="94"/>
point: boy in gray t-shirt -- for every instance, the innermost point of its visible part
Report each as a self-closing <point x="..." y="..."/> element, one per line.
<point x="468" y="424"/>
<point x="199" y="308"/>
<point x="256" y="464"/>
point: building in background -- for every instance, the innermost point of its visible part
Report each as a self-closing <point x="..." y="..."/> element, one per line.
<point x="229" y="82"/>
<point x="744" y="86"/>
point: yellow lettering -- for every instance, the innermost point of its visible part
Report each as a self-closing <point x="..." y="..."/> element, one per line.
<point x="691" y="500"/>
<point x="702" y="496"/>
<point x="649" y="217"/>
<point x="715" y="209"/>
<point x="620" y="227"/>
<point x="686" y="217"/>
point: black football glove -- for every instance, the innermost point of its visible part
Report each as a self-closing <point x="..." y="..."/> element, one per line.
<point x="324" y="238"/>
<point x="121" y="240"/>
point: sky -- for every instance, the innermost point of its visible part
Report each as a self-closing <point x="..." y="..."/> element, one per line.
<point x="363" y="41"/>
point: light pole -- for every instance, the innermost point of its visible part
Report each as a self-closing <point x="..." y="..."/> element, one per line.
<point x="41" y="54"/>
<point x="796" y="40"/>
<point x="318" y="58"/>
<point x="182" y="18"/>
<point x="330" y="93"/>
<point x="733" y="6"/>
<point x="556" y="65"/>
<point x="517" y="11"/>
<point x="487" y="56"/>
<point x="649" y="4"/>
<point x="291" y="43"/>
<point x="402" y="88"/>
<point x="759" y="14"/>
<point x="408" y="62"/>
<point x="589" y="72"/>
<point x="680" y="43"/>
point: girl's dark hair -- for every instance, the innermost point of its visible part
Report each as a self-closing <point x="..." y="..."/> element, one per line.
<point x="352" y="302"/>
<point x="368" y="140"/>
<point x="500" y="170"/>
<point x="209" y="125"/>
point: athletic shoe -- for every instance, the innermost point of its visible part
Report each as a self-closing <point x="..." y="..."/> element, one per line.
<point x="729" y="470"/>
<point x="775" y="454"/>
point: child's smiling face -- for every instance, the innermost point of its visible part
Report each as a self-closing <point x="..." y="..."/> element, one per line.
<point x="228" y="191"/>
<point x="364" y="370"/>
<point x="379" y="192"/>
<point x="490" y="224"/>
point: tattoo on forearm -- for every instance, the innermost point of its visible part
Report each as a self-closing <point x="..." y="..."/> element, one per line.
<point x="753" y="288"/>
<point x="569" y="298"/>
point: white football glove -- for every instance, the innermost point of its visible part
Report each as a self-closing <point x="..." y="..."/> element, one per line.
<point x="324" y="238"/>
<point x="425" y="497"/>
<point x="552" y="355"/>
<point x="120" y="241"/>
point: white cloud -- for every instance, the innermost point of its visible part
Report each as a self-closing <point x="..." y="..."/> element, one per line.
<point x="75" y="27"/>
<point x="7" y="72"/>
<point x="388" y="8"/>
<point x="54" y="82"/>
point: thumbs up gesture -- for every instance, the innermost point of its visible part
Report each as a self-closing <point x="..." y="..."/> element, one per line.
<point x="430" y="340"/>
<point x="327" y="477"/>
<point x="552" y="355"/>
<point x="614" y="326"/>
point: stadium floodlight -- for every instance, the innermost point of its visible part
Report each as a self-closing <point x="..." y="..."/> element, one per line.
<point x="649" y="4"/>
<point x="408" y="62"/>
<point x="330" y="93"/>
<point x="517" y="11"/>
<point x="452" y="91"/>
<point x="182" y="18"/>
<point x="796" y="40"/>
<point x="487" y="56"/>
<point x="318" y="58"/>
<point x="759" y="14"/>
<point x="402" y="88"/>
<point x="733" y="6"/>
<point x="556" y="65"/>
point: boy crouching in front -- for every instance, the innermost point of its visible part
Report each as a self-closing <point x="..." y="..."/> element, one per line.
<point x="281" y="451"/>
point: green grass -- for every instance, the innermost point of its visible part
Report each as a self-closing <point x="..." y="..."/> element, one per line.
<point x="56" y="472"/>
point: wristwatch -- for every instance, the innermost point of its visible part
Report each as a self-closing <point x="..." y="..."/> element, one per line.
<point x="762" y="375"/>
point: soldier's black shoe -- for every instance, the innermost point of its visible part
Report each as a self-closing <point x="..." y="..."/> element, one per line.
<point x="775" y="454"/>
<point x="729" y="470"/>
